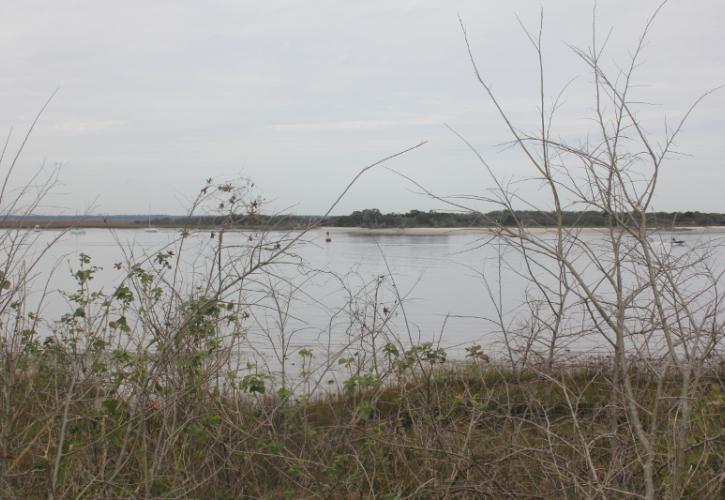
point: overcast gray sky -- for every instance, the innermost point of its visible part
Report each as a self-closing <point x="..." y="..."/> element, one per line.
<point x="155" y="96"/>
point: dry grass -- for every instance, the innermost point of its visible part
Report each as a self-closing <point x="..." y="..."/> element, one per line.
<point x="472" y="431"/>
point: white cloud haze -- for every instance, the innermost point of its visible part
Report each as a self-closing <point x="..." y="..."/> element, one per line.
<point x="156" y="96"/>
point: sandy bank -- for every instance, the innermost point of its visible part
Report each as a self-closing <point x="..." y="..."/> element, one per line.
<point x="437" y="231"/>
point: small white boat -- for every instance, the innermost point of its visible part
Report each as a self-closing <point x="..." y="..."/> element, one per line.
<point x="36" y="228"/>
<point x="677" y="242"/>
<point x="150" y="229"/>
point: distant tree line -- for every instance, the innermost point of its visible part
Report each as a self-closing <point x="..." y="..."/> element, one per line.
<point x="374" y="218"/>
<point x="416" y="218"/>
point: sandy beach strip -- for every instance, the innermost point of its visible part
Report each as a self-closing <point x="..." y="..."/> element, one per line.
<point x="438" y="231"/>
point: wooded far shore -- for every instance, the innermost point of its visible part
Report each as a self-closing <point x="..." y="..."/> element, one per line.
<point x="369" y="218"/>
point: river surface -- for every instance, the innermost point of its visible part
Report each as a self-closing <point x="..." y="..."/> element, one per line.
<point x="447" y="288"/>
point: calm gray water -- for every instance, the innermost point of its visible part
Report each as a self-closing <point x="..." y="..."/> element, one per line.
<point x="327" y="291"/>
<point x="438" y="276"/>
